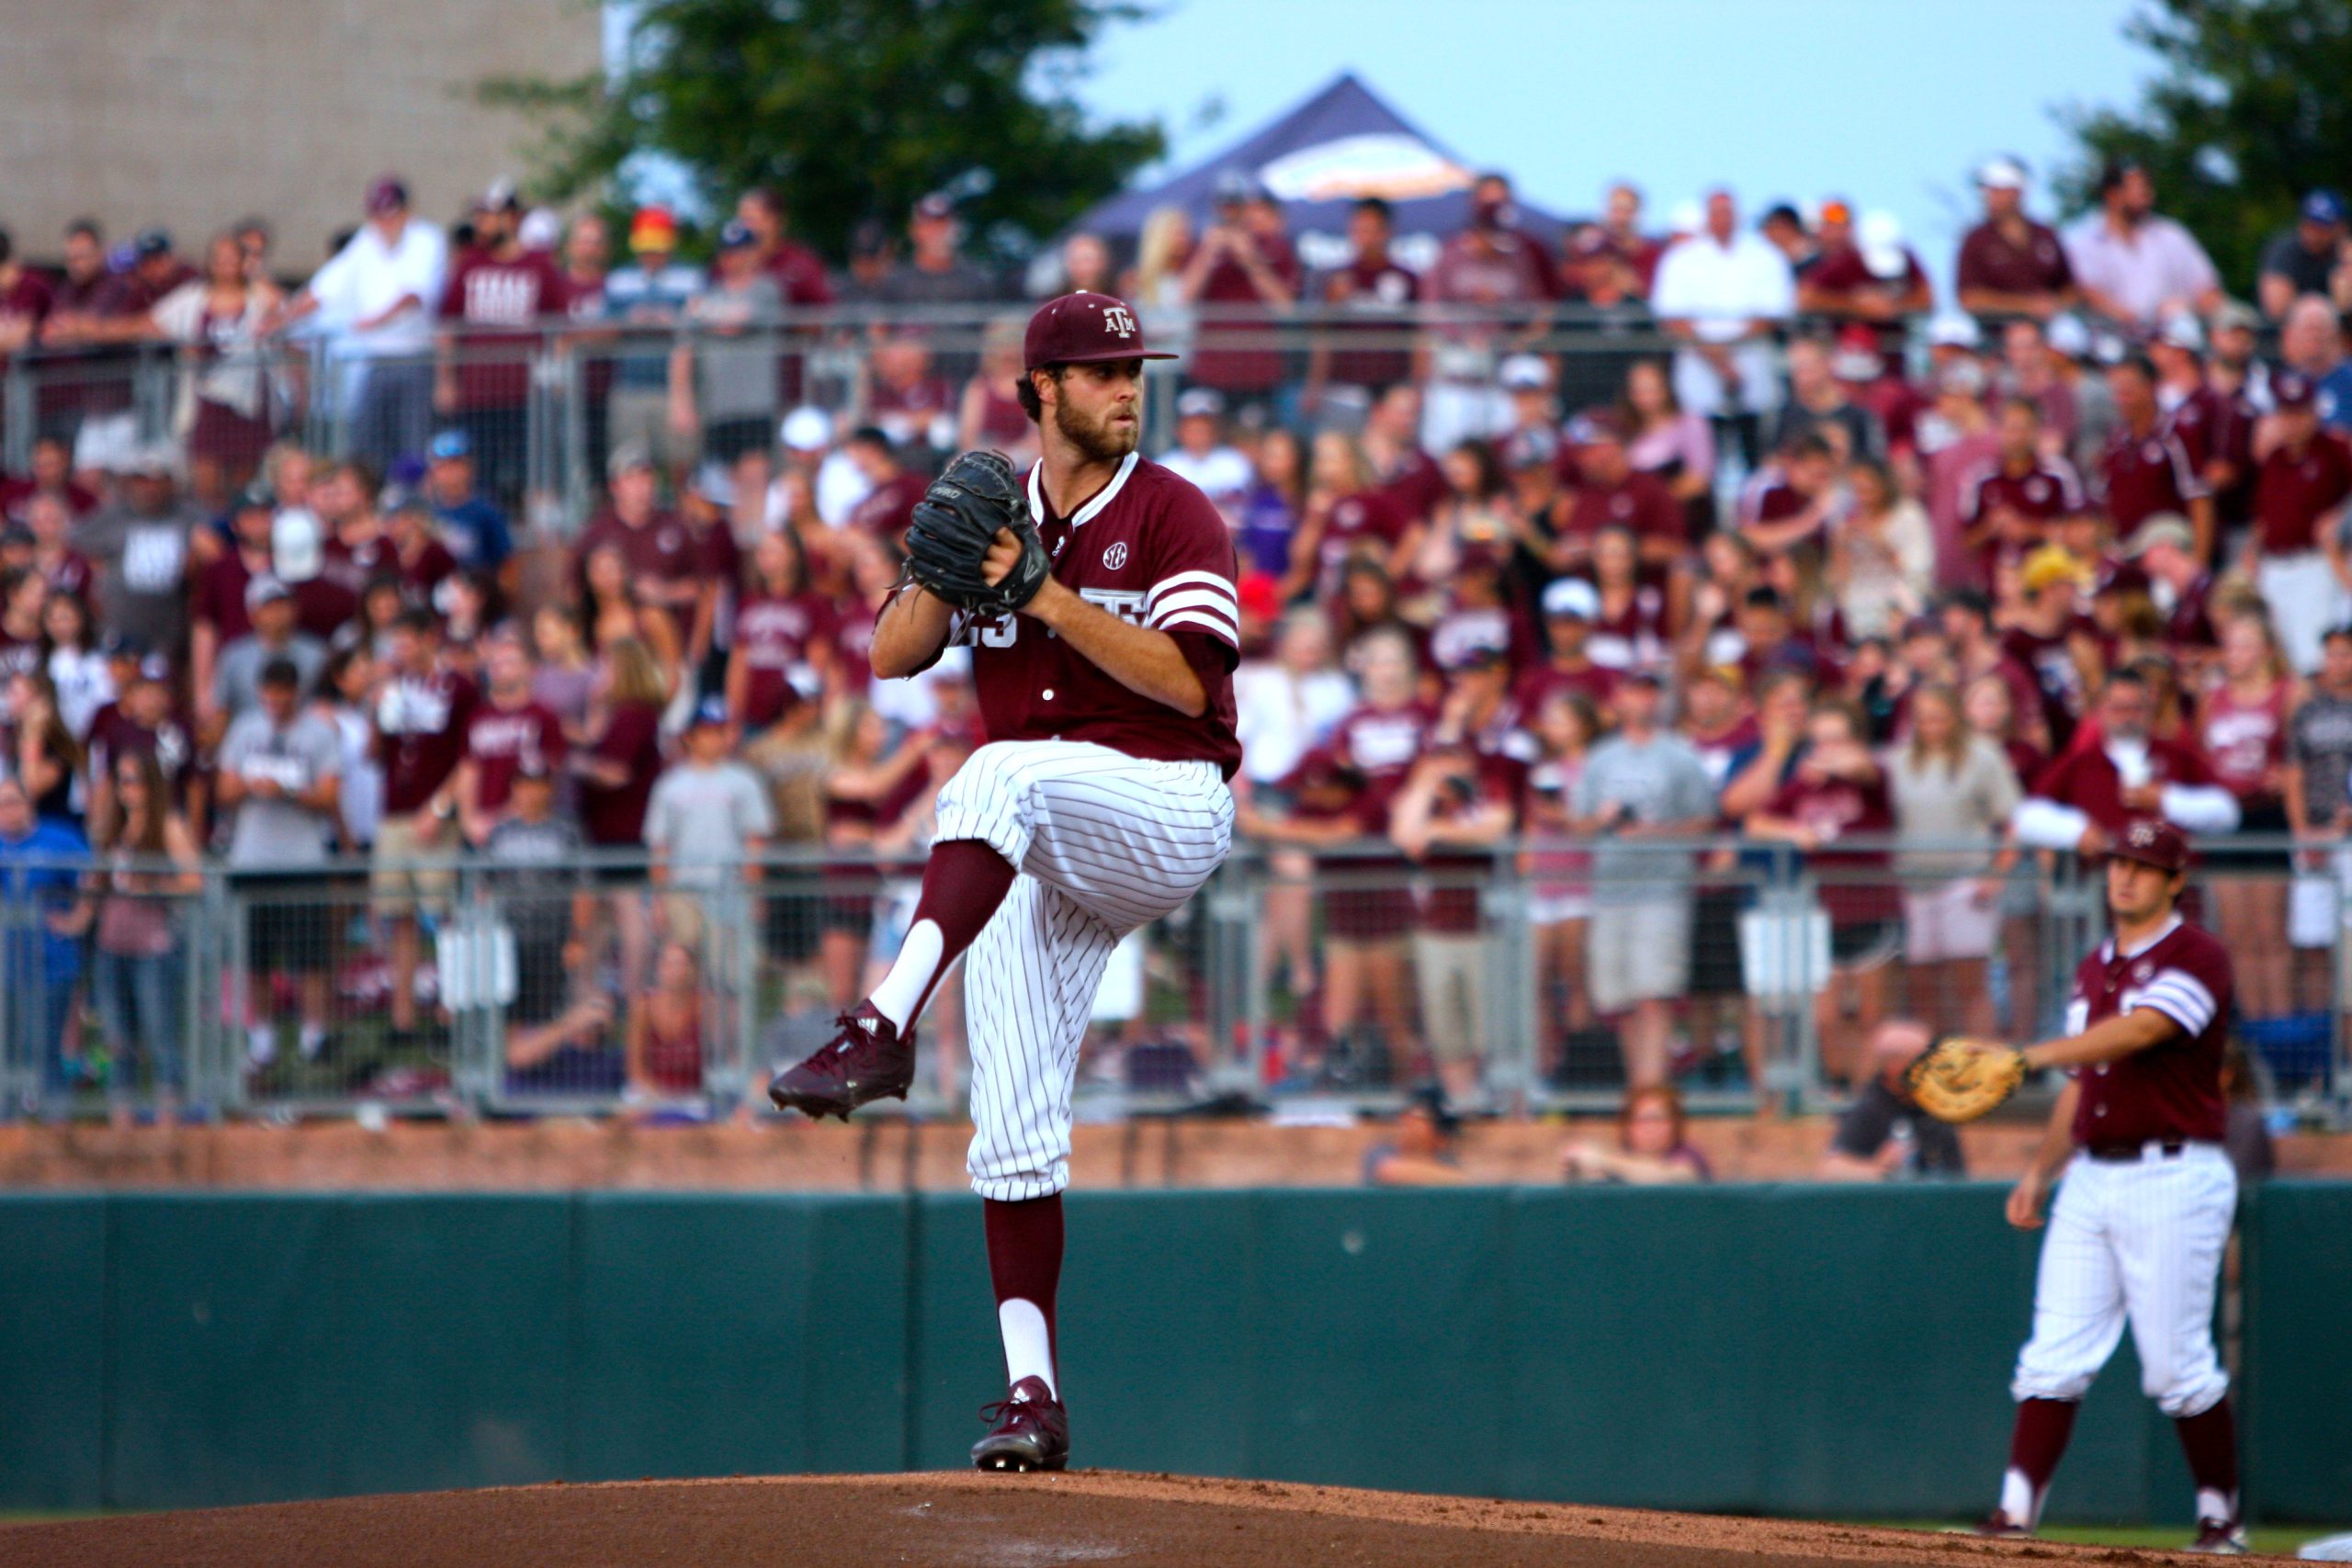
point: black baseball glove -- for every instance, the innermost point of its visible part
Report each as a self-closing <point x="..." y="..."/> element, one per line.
<point x="954" y="523"/>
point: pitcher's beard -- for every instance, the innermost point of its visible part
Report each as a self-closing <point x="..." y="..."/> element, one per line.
<point x="1097" y="441"/>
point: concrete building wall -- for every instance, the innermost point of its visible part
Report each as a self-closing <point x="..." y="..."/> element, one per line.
<point x="193" y="113"/>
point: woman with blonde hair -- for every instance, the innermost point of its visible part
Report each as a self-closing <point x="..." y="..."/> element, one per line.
<point x="615" y="772"/>
<point x="1951" y="786"/>
<point x="2242" y="728"/>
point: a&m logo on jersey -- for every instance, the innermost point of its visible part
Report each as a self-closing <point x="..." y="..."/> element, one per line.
<point x="1116" y="319"/>
<point x="1116" y="556"/>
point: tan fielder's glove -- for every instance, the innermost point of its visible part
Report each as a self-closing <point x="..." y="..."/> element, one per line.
<point x="1960" y="1079"/>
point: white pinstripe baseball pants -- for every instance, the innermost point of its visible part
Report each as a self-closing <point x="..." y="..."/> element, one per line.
<point x="1105" y="842"/>
<point x="2143" y="1242"/>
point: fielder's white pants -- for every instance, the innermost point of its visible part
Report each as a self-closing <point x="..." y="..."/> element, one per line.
<point x="2139" y="1243"/>
<point x="1105" y="842"/>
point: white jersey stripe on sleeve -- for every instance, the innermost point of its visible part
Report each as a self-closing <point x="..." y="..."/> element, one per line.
<point x="1201" y="620"/>
<point x="2179" y="998"/>
<point x="1208" y="599"/>
<point x="1167" y="585"/>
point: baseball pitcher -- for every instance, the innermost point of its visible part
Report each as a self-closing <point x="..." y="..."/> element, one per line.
<point x="1097" y="595"/>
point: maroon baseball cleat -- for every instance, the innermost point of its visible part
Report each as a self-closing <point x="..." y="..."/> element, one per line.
<point x="866" y="1061"/>
<point x="1032" y="1430"/>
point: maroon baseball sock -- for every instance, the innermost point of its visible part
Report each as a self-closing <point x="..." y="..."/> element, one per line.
<point x="1025" y="1266"/>
<point x="2036" y="1444"/>
<point x="962" y="885"/>
<point x="2210" y="1440"/>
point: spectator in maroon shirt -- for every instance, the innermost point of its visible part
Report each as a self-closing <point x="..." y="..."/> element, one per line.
<point x="1786" y="505"/>
<point x="2007" y="504"/>
<point x="497" y="299"/>
<point x="1570" y="605"/>
<point x="1494" y="208"/>
<point x="2215" y="429"/>
<point x="615" y="772"/>
<point x="2300" y="492"/>
<point x="2145" y="469"/>
<point x="218" y="615"/>
<point x="1243" y="273"/>
<point x="508" y="729"/>
<point x="421" y="710"/>
<point x="1612" y="260"/>
<point x="664" y="567"/>
<point x="25" y="300"/>
<point x="1871" y="276"/>
<point x="51" y="473"/>
<point x="65" y="570"/>
<point x="799" y="276"/>
<point x="418" y="554"/>
<point x="2009" y="264"/>
<point x="1837" y="788"/>
<point x="1373" y="295"/>
<point x="1610" y="492"/>
<point x="889" y="506"/>
<point x="2121" y="769"/>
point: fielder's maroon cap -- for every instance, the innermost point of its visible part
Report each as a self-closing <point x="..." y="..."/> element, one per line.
<point x="1084" y="328"/>
<point x="2150" y="841"/>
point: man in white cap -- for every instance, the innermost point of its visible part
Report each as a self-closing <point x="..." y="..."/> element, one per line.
<point x="2011" y="266"/>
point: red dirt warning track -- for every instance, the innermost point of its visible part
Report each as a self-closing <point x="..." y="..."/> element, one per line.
<point x="964" y="1519"/>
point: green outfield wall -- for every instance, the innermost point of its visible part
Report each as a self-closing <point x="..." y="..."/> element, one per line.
<point x="1809" y="1351"/>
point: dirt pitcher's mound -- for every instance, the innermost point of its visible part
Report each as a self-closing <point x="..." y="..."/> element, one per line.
<point x="983" y="1521"/>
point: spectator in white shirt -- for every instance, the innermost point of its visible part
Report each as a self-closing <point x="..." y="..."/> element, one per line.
<point x="1720" y="292"/>
<point x="1201" y="456"/>
<point x="2133" y="266"/>
<point x="376" y="296"/>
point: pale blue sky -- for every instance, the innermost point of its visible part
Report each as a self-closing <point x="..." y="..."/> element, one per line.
<point x="1887" y="102"/>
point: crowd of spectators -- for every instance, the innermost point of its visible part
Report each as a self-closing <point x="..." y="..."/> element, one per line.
<point x="1675" y="535"/>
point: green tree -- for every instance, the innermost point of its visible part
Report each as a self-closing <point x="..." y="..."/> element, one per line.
<point x="2249" y="112"/>
<point x="851" y="108"/>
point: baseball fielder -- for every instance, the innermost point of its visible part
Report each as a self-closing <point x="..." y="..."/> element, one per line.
<point x="1099" y="804"/>
<point x="2137" y="1232"/>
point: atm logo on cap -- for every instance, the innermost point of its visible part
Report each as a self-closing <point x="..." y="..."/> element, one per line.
<point x="1115" y="317"/>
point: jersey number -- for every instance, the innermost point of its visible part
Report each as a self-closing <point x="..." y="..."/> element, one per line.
<point x="1005" y="630"/>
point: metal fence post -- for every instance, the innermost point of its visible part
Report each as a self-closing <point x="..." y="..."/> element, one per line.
<point x="1232" y="982"/>
<point x="1512" y="1012"/>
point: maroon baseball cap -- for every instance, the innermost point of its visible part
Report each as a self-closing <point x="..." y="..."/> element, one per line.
<point x="2293" y="390"/>
<point x="1084" y="328"/>
<point x="2154" y="842"/>
<point x="387" y="195"/>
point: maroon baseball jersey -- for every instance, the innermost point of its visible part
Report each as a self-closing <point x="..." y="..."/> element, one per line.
<point x="2171" y="1090"/>
<point x="773" y="637"/>
<point x="1150" y="549"/>
<point x="1375" y="299"/>
<point x="420" y="733"/>
<point x="2295" y="489"/>
<point x="1988" y="259"/>
<point x="2085" y="778"/>
<point x="499" y="740"/>
<point x="1366" y="521"/>
<point x="2144" y="475"/>
<point x="1640" y="503"/>
<point x="498" y="305"/>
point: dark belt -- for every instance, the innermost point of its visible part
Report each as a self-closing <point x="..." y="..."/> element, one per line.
<point x="2133" y="1153"/>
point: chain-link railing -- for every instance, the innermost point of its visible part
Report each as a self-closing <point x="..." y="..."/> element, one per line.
<point x="1536" y="976"/>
